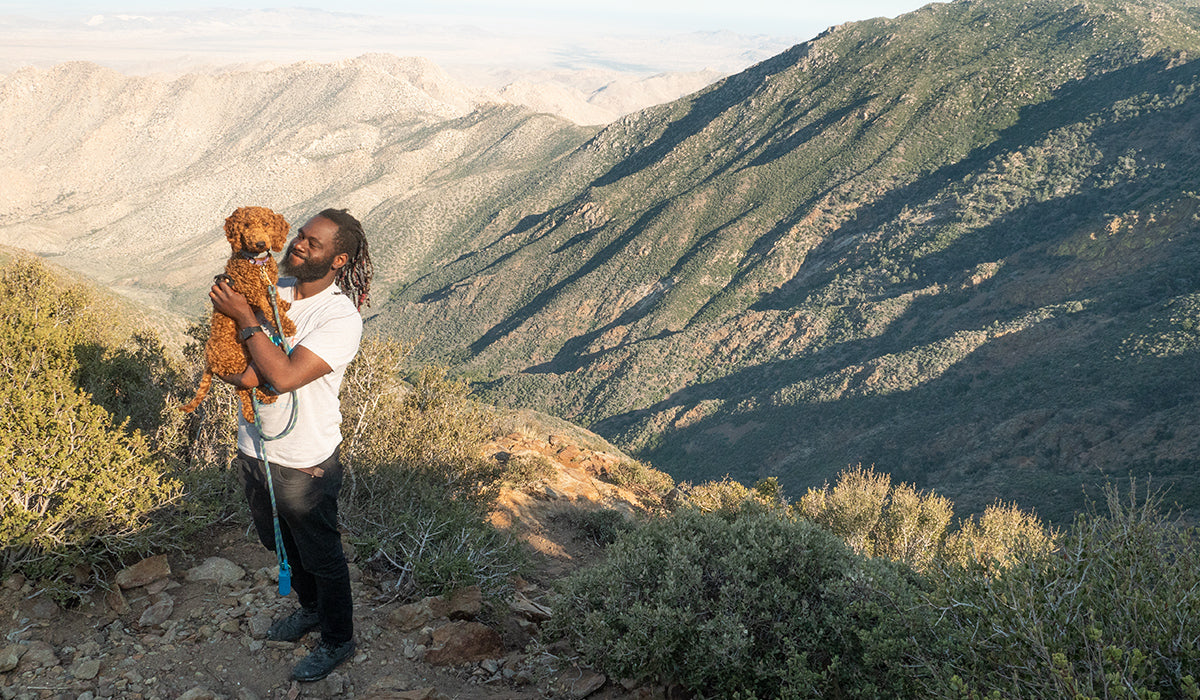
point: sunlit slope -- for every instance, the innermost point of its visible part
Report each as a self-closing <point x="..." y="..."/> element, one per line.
<point x="130" y="179"/>
<point x="960" y="245"/>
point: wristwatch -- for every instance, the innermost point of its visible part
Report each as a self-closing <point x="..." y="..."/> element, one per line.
<point x="249" y="331"/>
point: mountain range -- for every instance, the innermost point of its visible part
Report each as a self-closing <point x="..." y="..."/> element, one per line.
<point x="959" y="245"/>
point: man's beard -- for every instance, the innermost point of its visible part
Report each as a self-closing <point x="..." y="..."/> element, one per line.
<point x="308" y="270"/>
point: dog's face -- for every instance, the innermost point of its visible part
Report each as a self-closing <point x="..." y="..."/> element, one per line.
<point x="255" y="230"/>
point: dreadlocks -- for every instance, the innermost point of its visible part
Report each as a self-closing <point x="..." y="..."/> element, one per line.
<point x="353" y="278"/>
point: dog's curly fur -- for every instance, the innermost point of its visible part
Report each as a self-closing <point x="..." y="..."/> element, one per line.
<point x="251" y="232"/>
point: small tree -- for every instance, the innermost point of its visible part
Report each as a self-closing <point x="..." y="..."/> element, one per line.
<point x="77" y="484"/>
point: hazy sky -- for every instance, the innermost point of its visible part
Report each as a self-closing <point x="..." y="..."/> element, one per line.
<point x="777" y="17"/>
<point x="636" y="36"/>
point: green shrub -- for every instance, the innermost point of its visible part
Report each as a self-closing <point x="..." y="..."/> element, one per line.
<point x="756" y="605"/>
<point x="879" y="519"/>
<point x="417" y="487"/>
<point x="730" y="498"/>
<point x="1001" y="537"/>
<point x="1111" y="613"/>
<point x="79" y="485"/>
<point x="521" y="470"/>
<point x="640" y="478"/>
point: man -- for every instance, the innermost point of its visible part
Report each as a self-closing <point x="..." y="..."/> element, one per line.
<point x="330" y="272"/>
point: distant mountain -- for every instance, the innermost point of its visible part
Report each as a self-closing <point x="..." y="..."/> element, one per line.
<point x="961" y="245"/>
<point x="129" y="179"/>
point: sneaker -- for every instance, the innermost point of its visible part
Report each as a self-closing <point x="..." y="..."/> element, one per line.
<point x="294" y="626"/>
<point x="321" y="661"/>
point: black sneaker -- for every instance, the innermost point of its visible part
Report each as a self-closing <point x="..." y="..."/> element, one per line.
<point x="294" y="626"/>
<point x="321" y="661"/>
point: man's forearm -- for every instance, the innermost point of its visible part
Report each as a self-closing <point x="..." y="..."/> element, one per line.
<point x="271" y="363"/>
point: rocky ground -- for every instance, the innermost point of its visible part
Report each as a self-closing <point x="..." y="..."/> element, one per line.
<point x="192" y="626"/>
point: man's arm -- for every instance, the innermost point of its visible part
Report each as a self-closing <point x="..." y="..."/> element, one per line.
<point x="271" y="364"/>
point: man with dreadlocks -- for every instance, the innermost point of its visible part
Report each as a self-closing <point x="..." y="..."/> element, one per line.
<point x="330" y="278"/>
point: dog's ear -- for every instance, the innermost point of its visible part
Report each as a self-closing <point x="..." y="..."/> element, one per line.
<point x="233" y="227"/>
<point x="279" y="232"/>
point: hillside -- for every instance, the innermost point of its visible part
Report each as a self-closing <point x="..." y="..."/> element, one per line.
<point x="128" y="179"/>
<point x="959" y="245"/>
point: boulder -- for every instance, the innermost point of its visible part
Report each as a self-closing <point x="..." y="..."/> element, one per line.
<point x="144" y="572"/>
<point x="157" y="613"/>
<point x="464" y="642"/>
<point x="216" y="570"/>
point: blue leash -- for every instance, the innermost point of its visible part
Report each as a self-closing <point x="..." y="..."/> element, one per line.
<point x="285" y="569"/>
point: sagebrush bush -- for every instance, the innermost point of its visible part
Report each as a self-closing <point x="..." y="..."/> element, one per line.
<point x="759" y="604"/>
<point x="1003" y="535"/>
<point x="521" y="470"/>
<point x="877" y="518"/>
<point x="79" y="483"/>
<point x="417" y="487"/>
<point x="728" y="497"/>
<point x="895" y="521"/>
<point x="1111" y="613"/>
<point x="640" y="478"/>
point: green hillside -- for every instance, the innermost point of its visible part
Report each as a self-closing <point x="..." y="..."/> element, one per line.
<point x="960" y="245"/>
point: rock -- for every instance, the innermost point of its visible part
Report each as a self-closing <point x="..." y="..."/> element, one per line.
<point x="85" y="669"/>
<point x="334" y="684"/>
<point x="14" y="582"/>
<point x="144" y="572"/>
<point x="464" y="642"/>
<point x="528" y="609"/>
<point x="259" y="624"/>
<point x="198" y="693"/>
<point x="157" y="613"/>
<point x="586" y="684"/>
<point x="116" y="602"/>
<point x="156" y="587"/>
<point x="217" y="570"/>
<point x="44" y="610"/>
<point x="394" y="689"/>
<point x="411" y="617"/>
<point x="37" y="655"/>
<point x="10" y="656"/>
<point x="465" y="603"/>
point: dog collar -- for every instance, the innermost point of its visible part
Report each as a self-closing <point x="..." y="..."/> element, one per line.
<point x="260" y="259"/>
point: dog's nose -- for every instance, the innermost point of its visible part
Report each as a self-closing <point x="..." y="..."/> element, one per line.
<point x="260" y="245"/>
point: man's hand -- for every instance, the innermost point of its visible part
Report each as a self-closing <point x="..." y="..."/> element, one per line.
<point x="228" y="301"/>
<point x="248" y="379"/>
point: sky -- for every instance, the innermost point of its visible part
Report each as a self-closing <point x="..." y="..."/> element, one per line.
<point x="645" y="36"/>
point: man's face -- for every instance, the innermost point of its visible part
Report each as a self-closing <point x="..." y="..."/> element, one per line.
<point x="310" y="255"/>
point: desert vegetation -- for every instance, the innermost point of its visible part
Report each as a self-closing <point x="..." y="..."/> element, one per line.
<point x="740" y="594"/>
<point x="864" y="587"/>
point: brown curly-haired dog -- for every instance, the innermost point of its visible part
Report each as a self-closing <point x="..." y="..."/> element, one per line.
<point x="252" y="233"/>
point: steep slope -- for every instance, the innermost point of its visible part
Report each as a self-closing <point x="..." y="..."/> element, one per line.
<point x="960" y="245"/>
<point x="129" y="179"/>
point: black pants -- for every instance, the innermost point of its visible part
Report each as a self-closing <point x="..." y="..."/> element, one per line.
<point x="308" y="518"/>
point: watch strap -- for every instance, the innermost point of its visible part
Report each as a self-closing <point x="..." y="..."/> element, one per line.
<point x="248" y="331"/>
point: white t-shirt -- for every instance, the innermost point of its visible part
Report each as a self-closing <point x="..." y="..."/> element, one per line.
<point x="329" y="326"/>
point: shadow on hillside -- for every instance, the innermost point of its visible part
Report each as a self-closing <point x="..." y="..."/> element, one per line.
<point x="1071" y="104"/>
<point x="1028" y="417"/>
<point x="1028" y="233"/>
<point x="543" y="298"/>
<point x="705" y="108"/>
<point x="527" y="223"/>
